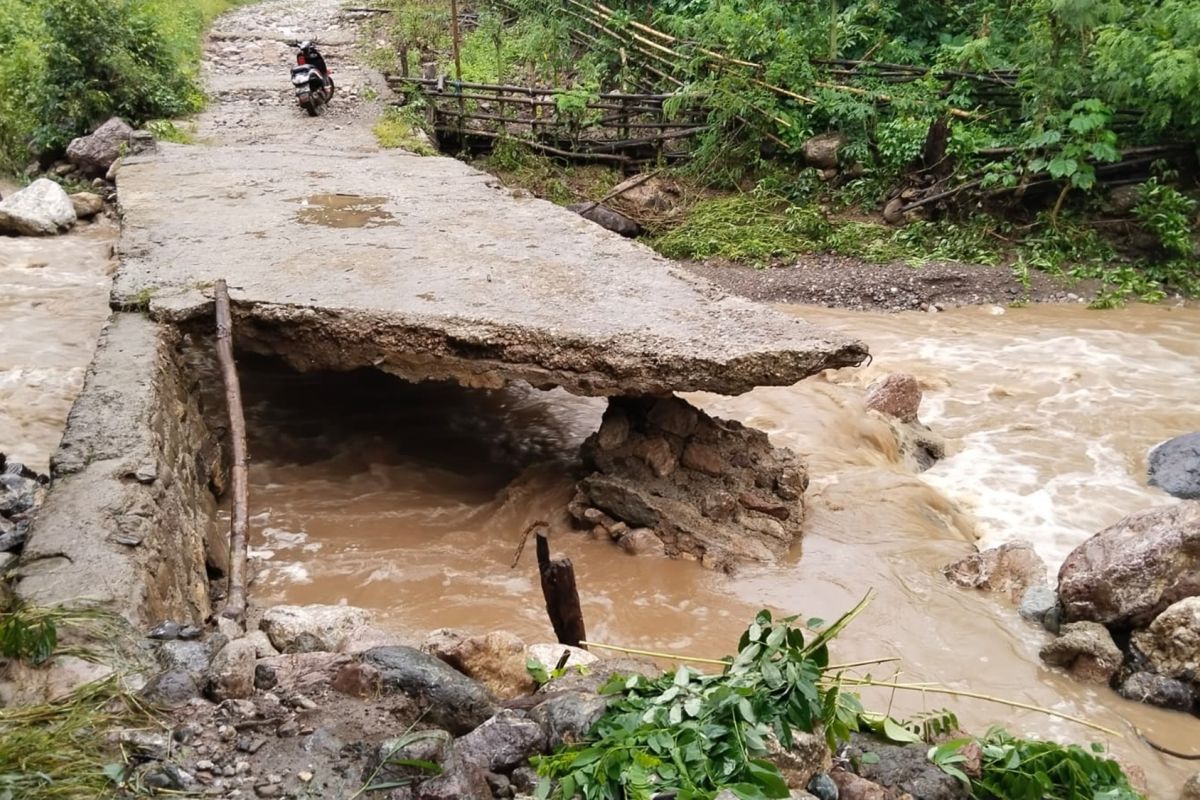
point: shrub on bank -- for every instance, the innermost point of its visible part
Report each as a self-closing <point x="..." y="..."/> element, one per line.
<point x="68" y="65"/>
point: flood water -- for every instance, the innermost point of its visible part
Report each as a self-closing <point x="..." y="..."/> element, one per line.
<point x="401" y="499"/>
<point x="53" y="302"/>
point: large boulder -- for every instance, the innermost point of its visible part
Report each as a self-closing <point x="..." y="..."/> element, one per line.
<point x="96" y="152"/>
<point x="451" y="700"/>
<point x="401" y="760"/>
<point x="1127" y="574"/>
<point x="87" y="204"/>
<point x="231" y="674"/>
<point x="496" y="659"/>
<point x="897" y="395"/>
<point x="821" y="151"/>
<point x="304" y="629"/>
<point x="505" y="741"/>
<point x="566" y="718"/>
<point x="904" y="767"/>
<point x="42" y="208"/>
<point x="1012" y="568"/>
<point x="1175" y="466"/>
<point x="1158" y="690"/>
<point x="1172" y="642"/>
<point x="1087" y="650"/>
<point x="605" y="217"/>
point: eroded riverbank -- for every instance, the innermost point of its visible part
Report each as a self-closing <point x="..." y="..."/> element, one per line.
<point x="1049" y="412"/>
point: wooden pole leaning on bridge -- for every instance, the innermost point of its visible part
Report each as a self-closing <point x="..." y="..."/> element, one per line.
<point x="235" y="598"/>
<point x="562" y="596"/>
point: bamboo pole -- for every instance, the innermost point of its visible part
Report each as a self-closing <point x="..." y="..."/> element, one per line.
<point x="455" y="33"/>
<point x="235" y="598"/>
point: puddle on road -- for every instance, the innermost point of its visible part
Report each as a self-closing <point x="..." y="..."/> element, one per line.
<point x="343" y="211"/>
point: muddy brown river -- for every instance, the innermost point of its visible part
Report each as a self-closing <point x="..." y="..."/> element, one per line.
<point x="400" y="498"/>
<point x="406" y="500"/>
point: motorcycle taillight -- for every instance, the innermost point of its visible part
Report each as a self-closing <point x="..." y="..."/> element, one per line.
<point x="300" y="59"/>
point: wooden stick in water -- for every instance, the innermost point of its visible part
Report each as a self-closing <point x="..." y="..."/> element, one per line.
<point x="562" y="596"/>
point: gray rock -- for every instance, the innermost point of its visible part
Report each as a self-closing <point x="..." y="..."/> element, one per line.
<point x="387" y="763"/>
<point x="1011" y="568"/>
<point x="1128" y="573"/>
<point x="453" y="701"/>
<point x="808" y="756"/>
<point x="231" y="674"/>
<point x="1191" y="789"/>
<point x="86" y="204"/>
<point x="171" y="689"/>
<point x="599" y="673"/>
<point x="40" y="209"/>
<point x="897" y="395"/>
<point x="905" y="767"/>
<point x="306" y="629"/>
<point x="822" y="787"/>
<point x="96" y="152"/>
<point x="821" y="151"/>
<point x="568" y="717"/>
<point x="1037" y="602"/>
<point x="503" y="742"/>
<point x="606" y="218"/>
<point x="1175" y="466"/>
<point x="460" y="780"/>
<point x="1172" y="642"/>
<point x="192" y="656"/>
<point x="1158" y="690"/>
<point x="1086" y="650"/>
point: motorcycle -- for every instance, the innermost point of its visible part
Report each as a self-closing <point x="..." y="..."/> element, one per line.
<point x="311" y="79"/>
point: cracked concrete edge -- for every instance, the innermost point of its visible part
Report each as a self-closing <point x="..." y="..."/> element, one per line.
<point x="480" y="355"/>
<point x="129" y="519"/>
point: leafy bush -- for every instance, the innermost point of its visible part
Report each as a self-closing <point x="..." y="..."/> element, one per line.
<point x="1168" y="214"/>
<point x="1025" y="769"/>
<point x="696" y="734"/>
<point x="70" y="64"/>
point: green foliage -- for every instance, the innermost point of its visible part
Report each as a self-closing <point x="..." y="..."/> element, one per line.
<point x="1167" y="213"/>
<point x="71" y="64"/>
<point x="1025" y="769"/>
<point x="66" y="749"/>
<point x="403" y="128"/>
<point x="697" y="734"/>
<point x="28" y="635"/>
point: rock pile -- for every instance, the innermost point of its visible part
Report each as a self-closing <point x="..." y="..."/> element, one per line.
<point x="667" y="479"/>
<point x="1126" y="608"/>
<point x="21" y="492"/>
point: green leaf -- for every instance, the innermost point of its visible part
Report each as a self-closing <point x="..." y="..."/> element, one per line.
<point x="870" y="758"/>
<point x="115" y="772"/>
<point x="895" y="732"/>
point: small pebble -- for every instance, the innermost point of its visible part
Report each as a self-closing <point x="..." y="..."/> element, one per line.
<point x="305" y="776"/>
<point x="205" y="766"/>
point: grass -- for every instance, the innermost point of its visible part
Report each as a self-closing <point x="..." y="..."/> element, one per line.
<point x="65" y="749"/>
<point x="401" y="128"/>
<point x="518" y="166"/>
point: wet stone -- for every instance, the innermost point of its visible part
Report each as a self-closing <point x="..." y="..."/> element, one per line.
<point x="822" y="787"/>
<point x="451" y="699"/>
<point x="1158" y="690"/>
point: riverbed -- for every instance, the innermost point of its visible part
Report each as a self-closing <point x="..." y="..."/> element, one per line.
<point x="410" y="500"/>
<point x="401" y="499"/>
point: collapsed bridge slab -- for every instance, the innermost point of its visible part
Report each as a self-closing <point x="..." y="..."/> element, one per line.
<point x="428" y="268"/>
